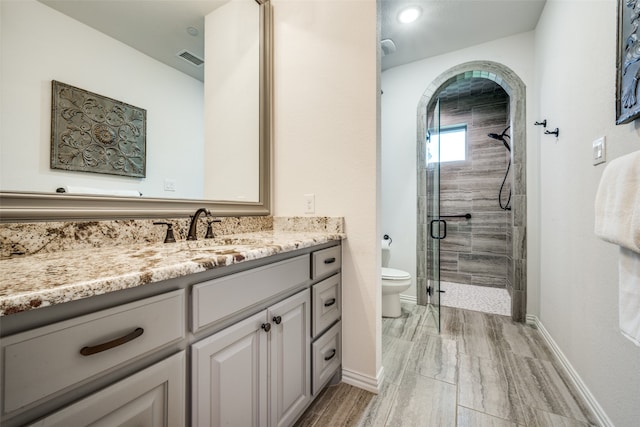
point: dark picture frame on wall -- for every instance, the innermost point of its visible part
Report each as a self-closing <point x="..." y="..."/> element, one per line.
<point x="628" y="62"/>
<point x="94" y="133"/>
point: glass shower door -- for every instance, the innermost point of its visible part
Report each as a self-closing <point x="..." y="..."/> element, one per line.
<point x="437" y="228"/>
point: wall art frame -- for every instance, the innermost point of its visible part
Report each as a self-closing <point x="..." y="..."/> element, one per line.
<point x="97" y="134"/>
<point x="628" y="62"/>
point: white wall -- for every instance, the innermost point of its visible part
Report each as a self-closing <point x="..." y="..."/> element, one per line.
<point x="326" y="144"/>
<point x="403" y="86"/>
<point x="232" y="86"/>
<point x="575" y="58"/>
<point x="40" y="44"/>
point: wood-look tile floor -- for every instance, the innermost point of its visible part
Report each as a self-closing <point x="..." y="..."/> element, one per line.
<point x="481" y="370"/>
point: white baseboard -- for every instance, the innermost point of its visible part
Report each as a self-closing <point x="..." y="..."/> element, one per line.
<point x="582" y="388"/>
<point x="365" y="382"/>
<point x="408" y="298"/>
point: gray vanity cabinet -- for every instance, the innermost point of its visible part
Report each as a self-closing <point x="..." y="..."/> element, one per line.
<point x="265" y="369"/>
<point x="153" y="397"/>
<point x="256" y="372"/>
<point x="253" y="344"/>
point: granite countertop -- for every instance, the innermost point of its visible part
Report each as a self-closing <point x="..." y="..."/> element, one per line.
<point x="41" y="280"/>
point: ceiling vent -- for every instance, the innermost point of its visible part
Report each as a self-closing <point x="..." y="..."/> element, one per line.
<point x="190" y="58"/>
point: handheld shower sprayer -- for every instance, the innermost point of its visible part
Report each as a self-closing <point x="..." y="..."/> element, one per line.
<point x="501" y="137"/>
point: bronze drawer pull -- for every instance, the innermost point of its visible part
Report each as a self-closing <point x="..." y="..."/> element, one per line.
<point x="330" y="302"/>
<point x="88" y="351"/>
<point x="333" y="353"/>
<point x="330" y="260"/>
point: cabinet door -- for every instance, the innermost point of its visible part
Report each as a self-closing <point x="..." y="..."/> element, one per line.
<point x="290" y="361"/>
<point x="153" y="397"/>
<point x="229" y="376"/>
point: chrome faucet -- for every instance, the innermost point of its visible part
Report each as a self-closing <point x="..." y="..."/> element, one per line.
<point x="194" y="223"/>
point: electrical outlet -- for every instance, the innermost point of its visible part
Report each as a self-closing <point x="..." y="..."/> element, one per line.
<point x="309" y="203"/>
<point x="599" y="151"/>
<point x="169" y="185"/>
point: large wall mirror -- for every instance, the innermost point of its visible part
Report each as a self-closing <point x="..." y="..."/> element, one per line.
<point x="200" y="69"/>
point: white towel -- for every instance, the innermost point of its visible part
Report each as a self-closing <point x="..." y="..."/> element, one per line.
<point x="629" y="294"/>
<point x="74" y="189"/>
<point x="618" y="221"/>
<point x="618" y="202"/>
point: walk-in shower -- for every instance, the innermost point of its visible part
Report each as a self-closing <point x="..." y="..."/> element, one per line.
<point x="487" y="250"/>
<point x="470" y="232"/>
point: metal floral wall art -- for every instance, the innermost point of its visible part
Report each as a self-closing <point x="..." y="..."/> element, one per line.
<point x="628" y="65"/>
<point x="93" y="133"/>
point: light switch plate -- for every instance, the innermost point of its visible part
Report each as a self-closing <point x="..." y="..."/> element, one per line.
<point x="309" y="203"/>
<point x="169" y="184"/>
<point x="599" y="151"/>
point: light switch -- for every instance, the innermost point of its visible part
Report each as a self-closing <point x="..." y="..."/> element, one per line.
<point x="599" y="151"/>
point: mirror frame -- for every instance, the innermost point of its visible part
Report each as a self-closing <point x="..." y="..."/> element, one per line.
<point x="34" y="206"/>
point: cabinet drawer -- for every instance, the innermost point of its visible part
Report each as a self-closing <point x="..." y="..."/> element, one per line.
<point x="152" y="397"/>
<point x="41" y="362"/>
<point x="221" y="298"/>
<point x="327" y="356"/>
<point x="326" y="261"/>
<point x="327" y="304"/>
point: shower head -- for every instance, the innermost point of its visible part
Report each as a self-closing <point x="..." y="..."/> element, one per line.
<point x="501" y="137"/>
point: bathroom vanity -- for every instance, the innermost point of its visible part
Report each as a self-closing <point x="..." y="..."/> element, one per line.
<point x="248" y="342"/>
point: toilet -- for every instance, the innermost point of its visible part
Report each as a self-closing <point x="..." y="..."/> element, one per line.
<point x="393" y="283"/>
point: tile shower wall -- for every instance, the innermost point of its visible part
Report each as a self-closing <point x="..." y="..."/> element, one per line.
<point x="478" y="250"/>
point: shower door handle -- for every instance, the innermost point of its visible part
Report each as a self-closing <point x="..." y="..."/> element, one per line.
<point x="444" y="234"/>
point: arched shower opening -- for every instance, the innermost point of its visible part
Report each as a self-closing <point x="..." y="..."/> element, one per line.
<point x="516" y="141"/>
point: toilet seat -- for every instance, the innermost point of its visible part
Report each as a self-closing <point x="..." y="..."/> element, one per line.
<point x="394" y="274"/>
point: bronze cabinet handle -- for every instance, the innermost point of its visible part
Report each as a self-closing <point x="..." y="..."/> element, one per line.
<point x="331" y="356"/>
<point x="330" y="302"/>
<point x="330" y="260"/>
<point x="277" y="319"/>
<point x="266" y="327"/>
<point x="88" y="351"/>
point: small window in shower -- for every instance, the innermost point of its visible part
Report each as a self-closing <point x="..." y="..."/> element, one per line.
<point x="453" y="144"/>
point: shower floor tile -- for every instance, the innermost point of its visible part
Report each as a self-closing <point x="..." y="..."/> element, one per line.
<point x="477" y="298"/>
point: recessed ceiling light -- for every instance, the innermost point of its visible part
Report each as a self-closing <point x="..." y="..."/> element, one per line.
<point x="409" y="14"/>
<point x="193" y="31"/>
